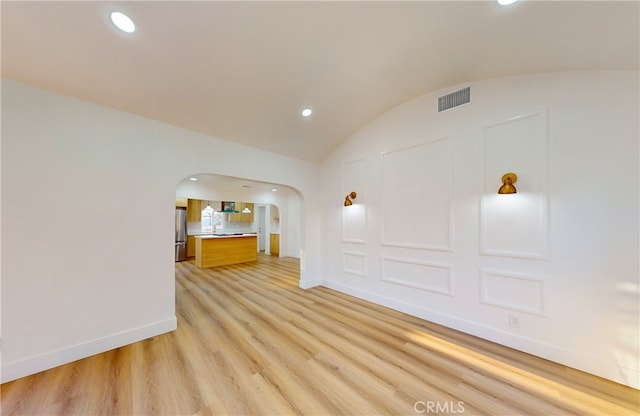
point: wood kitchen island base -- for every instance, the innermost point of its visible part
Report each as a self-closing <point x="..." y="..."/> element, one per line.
<point x="212" y="250"/>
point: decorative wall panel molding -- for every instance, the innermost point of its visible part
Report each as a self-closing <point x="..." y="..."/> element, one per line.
<point x="354" y="263"/>
<point x="423" y="275"/>
<point x="516" y="225"/>
<point x="417" y="189"/>
<point x="354" y="218"/>
<point x="517" y="292"/>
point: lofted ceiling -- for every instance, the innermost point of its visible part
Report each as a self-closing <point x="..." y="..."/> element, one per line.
<point x="243" y="71"/>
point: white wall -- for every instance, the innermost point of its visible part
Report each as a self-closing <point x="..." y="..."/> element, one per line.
<point x="429" y="235"/>
<point x="88" y="197"/>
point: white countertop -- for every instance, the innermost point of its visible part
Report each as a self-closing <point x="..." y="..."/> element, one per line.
<point x="207" y="236"/>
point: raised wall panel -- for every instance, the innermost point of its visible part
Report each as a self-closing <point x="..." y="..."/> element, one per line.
<point x="354" y="218"/>
<point x="423" y="275"/>
<point x="354" y="263"/>
<point x="524" y="293"/>
<point x="417" y="193"/>
<point x="516" y="225"/>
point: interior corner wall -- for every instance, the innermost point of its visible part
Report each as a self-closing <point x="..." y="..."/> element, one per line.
<point x="88" y="200"/>
<point x="551" y="270"/>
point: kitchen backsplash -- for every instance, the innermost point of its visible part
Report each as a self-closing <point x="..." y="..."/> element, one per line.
<point x="228" y="227"/>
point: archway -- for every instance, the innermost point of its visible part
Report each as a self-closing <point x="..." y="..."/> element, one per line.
<point x="285" y="219"/>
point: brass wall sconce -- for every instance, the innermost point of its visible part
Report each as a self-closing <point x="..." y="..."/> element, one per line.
<point x="348" y="198"/>
<point x="508" y="179"/>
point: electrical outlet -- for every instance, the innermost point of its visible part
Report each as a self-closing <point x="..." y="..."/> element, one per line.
<point x="514" y="321"/>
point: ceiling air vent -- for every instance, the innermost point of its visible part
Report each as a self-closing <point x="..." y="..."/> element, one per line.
<point x="454" y="99"/>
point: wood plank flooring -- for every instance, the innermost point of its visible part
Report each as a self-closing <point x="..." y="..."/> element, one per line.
<point x="250" y="342"/>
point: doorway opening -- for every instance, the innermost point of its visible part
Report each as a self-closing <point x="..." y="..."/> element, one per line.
<point x="261" y="213"/>
<point x="272" y="212"/>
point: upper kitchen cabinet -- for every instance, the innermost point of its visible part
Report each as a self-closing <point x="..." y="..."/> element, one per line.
<point x="241" y="216"/>
<point x="194" y="210"/>
<point x="182" y="202"/>
<point x="247" y="216"/>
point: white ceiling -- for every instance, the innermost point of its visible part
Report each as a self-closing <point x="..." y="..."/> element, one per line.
<point x="242" y="71"/>
<point x="219" y="187"/>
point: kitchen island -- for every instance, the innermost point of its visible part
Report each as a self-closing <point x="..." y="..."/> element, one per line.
<point x="220" y="250"/>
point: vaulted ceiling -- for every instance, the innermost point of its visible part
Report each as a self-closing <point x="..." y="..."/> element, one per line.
<point x="242" y="71"/>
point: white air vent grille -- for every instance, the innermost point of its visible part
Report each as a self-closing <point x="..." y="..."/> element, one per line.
<point x="454" y="99"/>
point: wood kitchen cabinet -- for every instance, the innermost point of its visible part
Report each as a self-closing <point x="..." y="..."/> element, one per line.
<point x="235" y="217"/>
<point x="194" y="210"/>
<point x="274" y="244"/>
<point x="182" y="202"/>
<point x="241" y="216"/>
<point x="212" y="251"/>
<point x="248" y="217"/>
<point x="191" y="246"/>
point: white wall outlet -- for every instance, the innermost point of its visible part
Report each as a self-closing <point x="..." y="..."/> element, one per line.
<point x="514" y="321"/>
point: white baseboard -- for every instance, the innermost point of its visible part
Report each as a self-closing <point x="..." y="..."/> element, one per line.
<point x="34" y="364"/>
<point x="308" y="284"/>
<point x="591" y="364"/>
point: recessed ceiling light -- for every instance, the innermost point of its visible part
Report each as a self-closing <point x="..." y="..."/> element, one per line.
<point x="306" y="112"/>
<point x="274" y="189"/>
<point x="193" y="179"/>
<point x="506" y="2"/>
<point x="123" y="22"/>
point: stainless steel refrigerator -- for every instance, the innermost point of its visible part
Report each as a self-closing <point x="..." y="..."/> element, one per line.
<point x="181" y="233"/>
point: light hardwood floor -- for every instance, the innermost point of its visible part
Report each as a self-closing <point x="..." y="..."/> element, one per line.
<point x="250" y="342"/>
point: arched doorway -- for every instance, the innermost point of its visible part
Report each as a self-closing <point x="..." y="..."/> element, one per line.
<point x="276" y="209"/>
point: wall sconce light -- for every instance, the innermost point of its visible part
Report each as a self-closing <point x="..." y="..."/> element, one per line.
<point x="348" y="198"/>
<point x="508" y="179"/>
